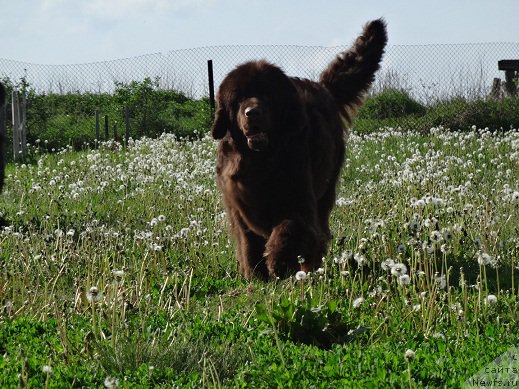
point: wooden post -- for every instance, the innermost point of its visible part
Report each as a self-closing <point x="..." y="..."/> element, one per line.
<point x="511" y="69"/>
<point x="509" y="82"/>
<point x="3" y="110"/>
<point x="97" y="130"/>
<point x="115" y="131"/>
<point x="23" y="125"/>
<point x="127" y="125"/>
<point x="495" y="92"/>
<point x="16" y="126"/>
<point x="211" y="85"/>
<point x="106" y="127"/>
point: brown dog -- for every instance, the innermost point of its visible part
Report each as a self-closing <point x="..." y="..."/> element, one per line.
<point x="281" y="151"/>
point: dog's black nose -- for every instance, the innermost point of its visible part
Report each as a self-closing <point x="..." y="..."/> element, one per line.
<point x="252" y="112"/>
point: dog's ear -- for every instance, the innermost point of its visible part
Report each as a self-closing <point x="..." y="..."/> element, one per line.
<point x="220" y="123"/>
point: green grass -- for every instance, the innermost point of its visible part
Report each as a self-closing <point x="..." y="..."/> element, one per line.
<point x="116" y="266"/>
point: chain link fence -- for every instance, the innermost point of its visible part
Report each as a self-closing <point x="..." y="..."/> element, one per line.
<point x="425" y="71"/>
<point x="428" y="73"/>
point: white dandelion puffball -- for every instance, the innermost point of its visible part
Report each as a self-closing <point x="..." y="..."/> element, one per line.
<point x="357" y="302"/>
<point x="399" y="269"/>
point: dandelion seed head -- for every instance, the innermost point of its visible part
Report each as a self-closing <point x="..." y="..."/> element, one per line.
<point x="398" y="269"/>
<point x="441" y="281"/>
<point x="357" y="302"/>
<point x="360" y="259"/>
<point x="111" y="382"/>
<point x="387" y="264"/>
<point x="118" y="273"/>
<point x="93" y="294"/>
<point x="435" y="236"/>
<point x="404" y="280"/>
<point x="483" y="258"/>
<point x="409" y="355"/>
<point x="301" y="275"/>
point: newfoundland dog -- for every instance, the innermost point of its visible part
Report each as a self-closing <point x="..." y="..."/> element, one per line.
<point x="281" y="151"/>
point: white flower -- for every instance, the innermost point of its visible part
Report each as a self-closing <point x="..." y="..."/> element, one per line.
<point x="300" y="275"/>
<point x="361" y="259"/>
<point x="345" y="256"/>
<point x="93" y="294"/>
<point x="387" y="264"/>
<point x="409" y="355"/>
<point x="419" y="203"/>
<point x="490" y="299"/>
<point x="441" y="281"/>
<point x="398" y="269"/>
<point x="483" y="258"/>
<point x="414" y="225"/>
<point x="111" y="382"/>
<point x="118" y="273"/>
<point x="46" y="369"/>
<point x="320" y="271"/>
<point x="404" y="280"/>
<point x="357" y="302"/>
<point x="435" y="236"/>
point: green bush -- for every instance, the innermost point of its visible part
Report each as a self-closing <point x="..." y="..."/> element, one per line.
<point x="59" y="120"/>
<point x="394" y="108"/>
<point x="461" y="114"/>
<point x="390" y="103"/>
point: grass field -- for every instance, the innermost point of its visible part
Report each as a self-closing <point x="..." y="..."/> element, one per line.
<point x="116" y="270"/>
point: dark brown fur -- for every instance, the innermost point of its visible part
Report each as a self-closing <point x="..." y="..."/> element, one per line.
<point x="2" y="140"/>
<point x="281" y="151"/>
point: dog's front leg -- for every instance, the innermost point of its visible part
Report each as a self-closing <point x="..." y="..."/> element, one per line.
<point x="290" y="242"/>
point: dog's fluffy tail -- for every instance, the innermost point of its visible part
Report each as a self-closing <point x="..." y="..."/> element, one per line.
<point x="350" y="75"/>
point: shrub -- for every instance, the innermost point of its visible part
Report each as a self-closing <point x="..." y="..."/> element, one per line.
<point x="390" y="103"/>
<point x="461" y="114"/>
<point x="69" y="119"/>
<point x="395" y="108"/>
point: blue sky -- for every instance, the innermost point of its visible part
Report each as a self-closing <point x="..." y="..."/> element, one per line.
<point x="79" y="31"/>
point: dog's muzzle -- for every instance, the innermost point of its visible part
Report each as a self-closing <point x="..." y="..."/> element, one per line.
<point x="258" y="142"/>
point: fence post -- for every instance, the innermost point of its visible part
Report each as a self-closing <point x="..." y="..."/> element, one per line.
<point x="16" y="126"/>
<point x="211" y="85"/>
<point x="97" y="129"/>
<point x="127" y="125"/>
<point x="23" y="124"/>
<point x="115" y="131"/>
<point x="106" y="128"/>
<point x="3" y="110"/>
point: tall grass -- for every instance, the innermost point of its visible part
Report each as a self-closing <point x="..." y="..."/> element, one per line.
<point x="117" y="269"/>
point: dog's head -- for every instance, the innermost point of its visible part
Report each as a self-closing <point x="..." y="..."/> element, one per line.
<point x="256" y="103"/>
